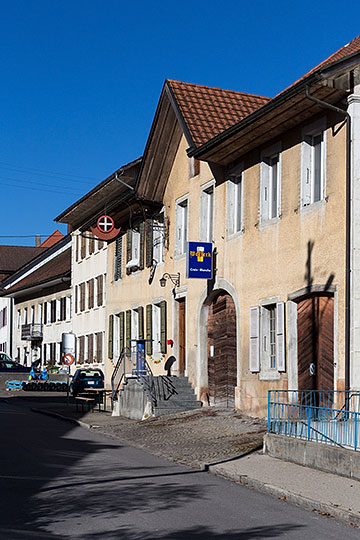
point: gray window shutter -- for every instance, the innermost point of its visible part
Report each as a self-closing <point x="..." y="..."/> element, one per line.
<point x="142" y="245"/>
<point x="111" y="337"/>
<point x="305" y="173"/>
<point x="118" y="259"/>
<point x="280" y="336"/>
<point x="122" y="331"/>
<point x="128" y="327"/>
<point x="148" y="346"/>
<point x="141" y="322"/>
<point x="149" y="241"/>
<point x="254" y="339"/>
<point x="163" y="326"/>
<point x="265" y="186"/>
<point x="128" y="248"/>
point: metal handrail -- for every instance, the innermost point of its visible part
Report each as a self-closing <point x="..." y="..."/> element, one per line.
<point x="115" y="384"/>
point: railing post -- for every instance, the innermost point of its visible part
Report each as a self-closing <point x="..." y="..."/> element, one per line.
<point x="355" y="430"/>
<point x="309" y="423"/>
<point x="269" y="423"/>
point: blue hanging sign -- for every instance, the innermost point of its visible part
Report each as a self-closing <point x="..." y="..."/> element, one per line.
<point x="199" y="260"/>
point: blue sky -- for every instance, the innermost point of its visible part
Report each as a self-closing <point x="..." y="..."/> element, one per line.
<point x="80" y="81"/>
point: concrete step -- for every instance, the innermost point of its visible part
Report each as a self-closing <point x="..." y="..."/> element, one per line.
<point x="158" y="411"/>
<point x="181" y="402"/>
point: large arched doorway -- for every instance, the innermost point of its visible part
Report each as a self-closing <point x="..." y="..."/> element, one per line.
<point x="222" y="350"/>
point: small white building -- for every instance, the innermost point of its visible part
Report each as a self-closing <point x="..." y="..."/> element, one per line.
<point x="40" y="295"/>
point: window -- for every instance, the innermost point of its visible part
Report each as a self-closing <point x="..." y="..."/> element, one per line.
<point x="234" y="191"/>
<point x="313" y="164"/>
<point x="82" y="296"/>
<point x="25" y="319"/>
<point x="156" y="326"/>
<point x="91" y="244"/>
<point x="207" y="214"/>
<point x="118" y="258"/>
<point x="270" y="184"/>
<point x="18" y="319"/>
<point x="133" y="249"/>
<point x="90" y="288"/>
<point x="267" y="340"/>
<point x="53" y="311"/>
<point x="83" y="247"/>
<point x="181" y="226"/>
<point x="194" y="167"/>
<point x="158" y="238"/>
<point x="90" y="348"/>
<point x="99" y="347"/>
<point x="99" y="287"/>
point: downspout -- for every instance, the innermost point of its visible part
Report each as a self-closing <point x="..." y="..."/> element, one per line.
<point x="347" y="227"/>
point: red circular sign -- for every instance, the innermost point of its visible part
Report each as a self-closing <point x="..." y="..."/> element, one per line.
<point x="68" y="359"/>
<point x="105" y="224"/>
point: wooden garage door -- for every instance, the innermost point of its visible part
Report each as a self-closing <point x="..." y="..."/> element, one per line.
<point x="315" y="325"/>
<point x="222" y="351"/>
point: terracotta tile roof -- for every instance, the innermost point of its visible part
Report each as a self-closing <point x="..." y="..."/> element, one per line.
<point x="13" y="257"/>
<point x="343" y="52"/>
<point x="52" y="239"/>
<point x="55" y="268"/>
<point x="208" y="111"/>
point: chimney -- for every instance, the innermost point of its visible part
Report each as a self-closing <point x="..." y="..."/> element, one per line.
<point x="37" y="240"/>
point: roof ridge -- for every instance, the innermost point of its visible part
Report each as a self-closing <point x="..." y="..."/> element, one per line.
<point x="237" y="92"/>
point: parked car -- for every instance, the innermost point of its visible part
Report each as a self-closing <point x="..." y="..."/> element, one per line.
<point x="86" y="378"/>
<point x="11" y="366"/>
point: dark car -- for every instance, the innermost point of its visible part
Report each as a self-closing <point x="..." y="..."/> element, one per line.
<point x="86" y="378"/>
<point x="11" y="366"/>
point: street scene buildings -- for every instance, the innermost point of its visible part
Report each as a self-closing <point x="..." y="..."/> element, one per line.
<point x="267" y="188"/>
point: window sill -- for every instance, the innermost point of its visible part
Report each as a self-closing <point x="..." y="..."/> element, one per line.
<point x="313" y="206"/>
<point x="268" y="222"/>
<point x="269" y="375"/>
<point x="233" y="236"/>
<point x="179" y="256"/>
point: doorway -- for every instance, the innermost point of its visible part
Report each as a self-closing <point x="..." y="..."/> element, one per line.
<point x="182" y="334"/>
<point x="315" y="327"/>
<point x="222" y="351"/>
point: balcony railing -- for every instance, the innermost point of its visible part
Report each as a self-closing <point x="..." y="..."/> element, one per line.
<point x="31" y="331"/>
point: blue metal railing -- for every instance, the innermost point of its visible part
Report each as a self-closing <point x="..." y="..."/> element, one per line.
<point x="326" y="416"/>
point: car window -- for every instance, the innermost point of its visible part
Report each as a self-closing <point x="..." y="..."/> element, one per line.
<point x="10" y="365"/>
<point x="90" y="374"/>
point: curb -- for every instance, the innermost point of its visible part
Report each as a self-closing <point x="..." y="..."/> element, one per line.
<point x="279" y="493"/>
<point x="61" y="417"/>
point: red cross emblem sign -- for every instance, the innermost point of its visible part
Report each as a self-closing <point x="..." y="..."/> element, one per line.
<point x="105" y="228"/>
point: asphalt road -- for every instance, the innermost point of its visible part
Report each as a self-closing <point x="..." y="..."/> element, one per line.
<point x="58" y="480"/>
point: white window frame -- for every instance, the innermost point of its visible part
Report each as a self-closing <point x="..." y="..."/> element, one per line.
<point x="268" y="371"/>
<point x="266" y="184"/>
<point x="135" y="250"/>
<point x="181" y="225"/>
<point x="235" y="202"/>
<point x="156" y="327"/>
<point x="159" y="238"/>
<point x="207" y="210"/>
<point x="308" y="164"/>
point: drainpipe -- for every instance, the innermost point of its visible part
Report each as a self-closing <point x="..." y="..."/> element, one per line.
<point x="347" y="228"/>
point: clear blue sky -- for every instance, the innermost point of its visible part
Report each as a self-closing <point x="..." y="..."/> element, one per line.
<point x="80" y="81"/>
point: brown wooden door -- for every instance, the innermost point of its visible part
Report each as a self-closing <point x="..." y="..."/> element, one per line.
<point x="315" y="327"/>
<point x="222" y="351"/>
<point x="182" y="335"/>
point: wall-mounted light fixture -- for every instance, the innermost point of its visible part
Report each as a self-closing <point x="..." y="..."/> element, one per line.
<point x="174" y="278"/>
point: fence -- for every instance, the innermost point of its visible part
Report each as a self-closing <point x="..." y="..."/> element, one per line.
<point x="324" y="416"/>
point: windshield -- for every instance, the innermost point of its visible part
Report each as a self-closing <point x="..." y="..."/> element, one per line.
<point x="90" y="374"/>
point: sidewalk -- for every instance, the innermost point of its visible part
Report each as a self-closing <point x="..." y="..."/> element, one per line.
<point x="223" y="442"/>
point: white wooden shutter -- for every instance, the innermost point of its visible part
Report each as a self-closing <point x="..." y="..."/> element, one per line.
<point x="280" y="336"/>
<point x="68" y="308"/>
<point x="265" y="194"/>
<point x="231" y="206"/>
<point x="305" y="173"/>
<point x="254" y="339"/>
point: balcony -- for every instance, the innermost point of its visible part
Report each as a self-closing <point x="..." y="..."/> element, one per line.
<point x="31" y="331"/>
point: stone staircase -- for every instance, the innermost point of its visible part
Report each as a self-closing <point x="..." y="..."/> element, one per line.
<point x="174" y="394"/>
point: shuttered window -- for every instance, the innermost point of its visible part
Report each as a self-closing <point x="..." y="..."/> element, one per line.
<point x="128" y="327"/>
<point x="81" y="349"/>
<point x="82" y="297"/>
<point x="118" y="258"/>
<point x="111" y="337"/>
<point x="149" y="242"/>
<point x="83" y="247"/>
<point x="141" y="322"/>
<point x="90" y="347"/>
<point x="142" y="246"/>
<point x="163" y="326"/>
<point x="99" y="282"/>
<point x="90" y="286"/>
<point x="149" y="345"/>
<point x="280" y="335"/>
<point x="77" y="247"/>
<point x="122" y="331"/>
<point x="254" y="339"/>
<point x="99" y="346"/>
<point x="91" y="243"/>
<point x="76" y="298"/>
